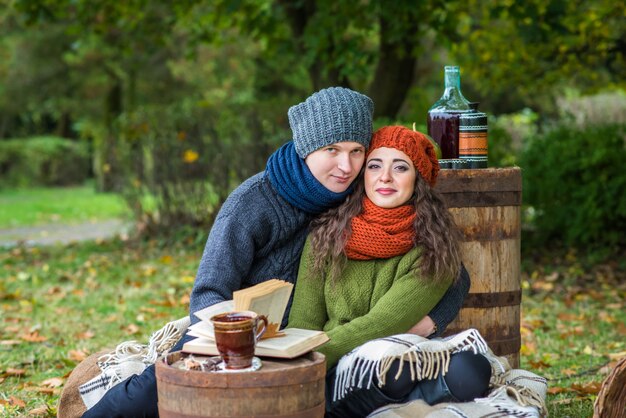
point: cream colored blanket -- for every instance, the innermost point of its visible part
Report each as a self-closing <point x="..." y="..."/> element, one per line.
<point x="513" y="392"/>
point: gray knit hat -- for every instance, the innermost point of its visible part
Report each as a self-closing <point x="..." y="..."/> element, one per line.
<point x="331" y="115"/>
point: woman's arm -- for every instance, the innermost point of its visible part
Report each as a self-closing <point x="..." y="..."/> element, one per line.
<point x="308" y="309"/>
<point x="408" y="298"/>
<point x="435" y="323"/>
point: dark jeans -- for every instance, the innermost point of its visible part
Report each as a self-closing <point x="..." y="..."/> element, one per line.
<point x="134" y="397"/>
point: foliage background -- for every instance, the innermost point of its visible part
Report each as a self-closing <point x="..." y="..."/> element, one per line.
<point x="181" y="101"/>
<point x="176" y="103"/>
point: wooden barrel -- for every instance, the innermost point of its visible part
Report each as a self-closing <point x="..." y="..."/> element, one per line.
<point x="611" y="400"/>
<point x="486" y="207"/>
<point x="281" y="388"/>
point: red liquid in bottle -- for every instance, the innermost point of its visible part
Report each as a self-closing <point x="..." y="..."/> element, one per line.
<point x="443" y="127"/>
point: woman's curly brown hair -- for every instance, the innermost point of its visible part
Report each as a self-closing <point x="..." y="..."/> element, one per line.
<point x="435" y="232"/>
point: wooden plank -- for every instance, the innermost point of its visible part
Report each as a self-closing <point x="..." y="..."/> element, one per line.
<point x="482" y="180"/>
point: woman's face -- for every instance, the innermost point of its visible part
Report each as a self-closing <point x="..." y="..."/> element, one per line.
<point x="337" y="165"/>
<point x="389" y="177"/>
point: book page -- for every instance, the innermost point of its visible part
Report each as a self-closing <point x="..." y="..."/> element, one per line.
<point x="296" y="342"/>
<point x="293" y="336"/>
<point x="202" y="329"/>
<point x="242" y="297"/>
<point x="206" y="313"/>
<point x="272" y="305"/>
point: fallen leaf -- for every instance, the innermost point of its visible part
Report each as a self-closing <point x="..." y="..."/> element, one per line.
<point x="41" y="389"/>
<point x="10" y="342"/>
<point x="568" y="317"/>
<point x="77" y="355"/>
<point x="188" y="279"/>
<point x="14" y="372"/>
<point x="42" y="410"/>
<point x="132" y="329"/>
<point x="534" y="324"/>
<point x="568" y="372"/>
<point x="53" y="382"/>
<point x="555" y="390"/>
<point x="591" y="388"/>
<point x="539" y="364"/>
<point x="528" y="348"/>
<point x="167" y="302"/>
<point x="617" y="356"/>
<point x="33" y="337"/>
<point x="85" y="335"/>
<point x="149" y="271"/>
<point x="111" y="318"/>
<point x="606" y="317"/>
<point x="17" y="402"/>
<point x="55" y="290"/>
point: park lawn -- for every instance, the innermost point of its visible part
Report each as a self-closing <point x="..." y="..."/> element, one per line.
<point x="60" y="304"/>
<point x="64" y="205"/>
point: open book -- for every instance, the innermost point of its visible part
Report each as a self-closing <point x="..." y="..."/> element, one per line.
<point x="269" y="298"/>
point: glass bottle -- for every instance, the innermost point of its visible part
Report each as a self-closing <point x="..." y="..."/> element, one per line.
<point x="443" y="116"/>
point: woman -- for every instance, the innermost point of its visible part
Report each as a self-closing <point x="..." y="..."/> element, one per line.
<point x="260" y="230"/>
<point x="379" y="262"/>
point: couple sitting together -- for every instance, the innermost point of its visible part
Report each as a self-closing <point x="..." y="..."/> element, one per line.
<point x="350" y="216"/>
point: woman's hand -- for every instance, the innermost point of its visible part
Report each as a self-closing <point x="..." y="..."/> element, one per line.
<point x="423" y="328"/>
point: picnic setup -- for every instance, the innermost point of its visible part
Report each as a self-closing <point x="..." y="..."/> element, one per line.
<point x="485" y="204"/>
<point x="312" y="209"/>
<point x="238" y="360"/>
<point x="241" y="363"/>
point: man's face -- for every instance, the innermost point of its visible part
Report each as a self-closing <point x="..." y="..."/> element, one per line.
<point x="336" y="165"/>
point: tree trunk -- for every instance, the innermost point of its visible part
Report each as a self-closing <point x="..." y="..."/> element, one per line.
<point x="64" y="126"/>
<point x="394" y="72"/>
<point x="298" y="15"/>
<point x="105" y="153"/>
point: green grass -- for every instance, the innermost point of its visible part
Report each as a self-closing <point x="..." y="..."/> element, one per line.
<point x="66" y="205"/>
<point x="573" y="326"/>
<point x="60" y="303"/>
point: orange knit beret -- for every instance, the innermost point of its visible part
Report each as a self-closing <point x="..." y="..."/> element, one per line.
<point x="412" y="143"/>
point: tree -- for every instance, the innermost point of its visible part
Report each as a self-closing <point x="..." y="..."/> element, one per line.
<point x="530" y="51"/>
<point x="117" y="49"/>
<point x="372" y="46"/>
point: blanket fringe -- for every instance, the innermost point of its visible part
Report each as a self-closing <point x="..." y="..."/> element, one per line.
<point x="427" y="358"/>
<point x="129" y="358"/>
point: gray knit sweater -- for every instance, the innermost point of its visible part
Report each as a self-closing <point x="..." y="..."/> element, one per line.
<point x="258" y="236"/>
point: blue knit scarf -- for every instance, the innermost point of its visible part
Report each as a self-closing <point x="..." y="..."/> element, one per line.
<point x="294" y="182"/>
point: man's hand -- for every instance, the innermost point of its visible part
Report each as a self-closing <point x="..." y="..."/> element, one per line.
<point x="424" y="328"/>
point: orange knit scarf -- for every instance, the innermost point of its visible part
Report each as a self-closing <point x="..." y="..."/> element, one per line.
<point x="381" y="233"/>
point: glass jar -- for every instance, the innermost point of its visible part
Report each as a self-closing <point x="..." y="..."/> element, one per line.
<point x="443" y="116"/>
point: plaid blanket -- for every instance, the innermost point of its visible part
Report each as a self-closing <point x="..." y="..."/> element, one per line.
<point x="513" y="392"/>
<point x="130" y="358"/>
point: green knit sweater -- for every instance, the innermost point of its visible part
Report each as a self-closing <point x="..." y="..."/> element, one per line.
<point x="371" y="299"/>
